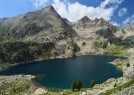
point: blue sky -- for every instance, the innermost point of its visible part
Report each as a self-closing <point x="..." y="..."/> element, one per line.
<point x="118" y="12"/>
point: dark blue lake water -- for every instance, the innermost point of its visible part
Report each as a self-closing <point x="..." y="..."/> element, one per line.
<point x="59" y="73"/>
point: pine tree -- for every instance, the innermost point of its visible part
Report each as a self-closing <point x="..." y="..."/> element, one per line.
<point x="73" y="85"/>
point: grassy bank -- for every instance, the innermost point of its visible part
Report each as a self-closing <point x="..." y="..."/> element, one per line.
<point x="118" y="88"/>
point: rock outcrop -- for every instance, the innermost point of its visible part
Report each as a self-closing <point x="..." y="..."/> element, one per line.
<point x="96" y="34"/>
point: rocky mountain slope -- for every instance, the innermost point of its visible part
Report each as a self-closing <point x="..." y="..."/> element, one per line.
<point x="95" y="35"/>
<point x="44" y="27"/>
<point x="48" y="27"/>
<point x="39" y="26"/>
<point x="44" y="34"/>
<point x="129" y="34"/>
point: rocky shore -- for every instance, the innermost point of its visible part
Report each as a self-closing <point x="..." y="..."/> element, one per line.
<point x="25" y="85"/>
<point x="17" y="85"/>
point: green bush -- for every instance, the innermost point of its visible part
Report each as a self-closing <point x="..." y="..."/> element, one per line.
<point x="128" y="65"/>
<point x="92" y="83"/>
<point x="115" y="85"/>
<point x="73" y="85"/>
<point x="76" y="85"/>
<point x="79" y="85"/>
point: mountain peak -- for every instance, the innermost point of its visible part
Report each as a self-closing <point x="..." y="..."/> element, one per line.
<point x="48" y="9"/>
<point x="101" y="20"/>
<point x="85" y="19"/>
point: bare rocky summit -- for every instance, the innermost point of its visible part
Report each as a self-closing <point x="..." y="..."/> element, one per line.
<point x="38" y="26"/>
<point x="95" y="35"/>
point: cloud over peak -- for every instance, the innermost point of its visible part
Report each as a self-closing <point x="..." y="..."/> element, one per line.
<point x="75" y="11"/>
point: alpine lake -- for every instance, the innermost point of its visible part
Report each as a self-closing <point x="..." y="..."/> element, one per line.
<point x="60" y="73"/>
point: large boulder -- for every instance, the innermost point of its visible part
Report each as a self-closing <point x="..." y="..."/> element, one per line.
<point x="129" y="73"/>
<point x="40" y="91"/>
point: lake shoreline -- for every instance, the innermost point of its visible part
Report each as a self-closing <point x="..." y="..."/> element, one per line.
<point x="5" y="66"/>
<point x="60" y="91"/>
<point x="69" y="57"/>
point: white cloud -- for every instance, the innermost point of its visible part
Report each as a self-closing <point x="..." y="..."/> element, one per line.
<point x="75" y="11"/>
<point x="128" y="20"/>
<point x="119" y="1"/>
<point x="113" y="3"/>
<point x="115" y="23"/>
<point x="40" y="3"/>
<point x="122" y="12"/>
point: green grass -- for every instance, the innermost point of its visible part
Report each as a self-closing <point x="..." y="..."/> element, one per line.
<point x="14" y="88"/>
<point x="117" y="50"/>
<point x="118" y="88"/>
<point x="68" y="92"/>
